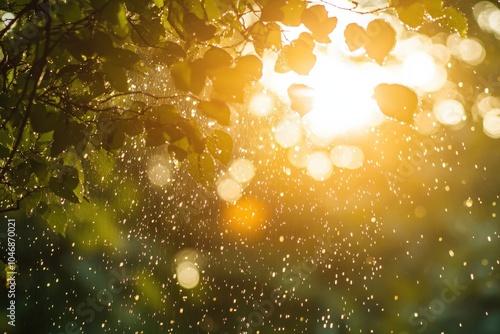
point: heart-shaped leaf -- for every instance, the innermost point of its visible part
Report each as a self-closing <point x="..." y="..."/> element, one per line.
<point x="396" y="101"/>
<point x="316" y="19"/>
<point x="382" y="39"/>
<point x="217" y="110"/>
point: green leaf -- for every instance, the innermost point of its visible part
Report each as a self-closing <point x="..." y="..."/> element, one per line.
<point x="179" y="148"/>
<point x="188" y="21"/>
<point x="115" y="13"/>
<point x="132" y="127"/>
<point x="67" y="134"/>
<point x="64" y="184"/>
<point x="217" y="110"/>
<point x="102" y="162"/>
<point x="189" y="76"/>
<point x="396" y="101"/>
<point x="410" y="12"/>
<point x="70" y="11"/>
<point x="6" y="100"/>
<point x="158" y="3"/>
<point x="4" y="152"/>
<point x="115" y="139"/>
<point x="56" y="218"/>
<point x="164" y="114"/>
<point x="123" y="58"/>
<point x="31" y="201"/>
<point x="382" y="39"/>
<point x="156" y="137"/>
<point x="21" y="173"/>
<point x="40" y="169"/>
<point x="42" y="121"/>
<point x="168" y="53"/>
<point x="456" y="21"/>
<point x="220" y="145"/>
<point x="193" y="134"/>
<point x="215" y="9"/>
<point x="201" y="167"/>
<point x="116" y="76"/>
<point x="434" y="7"/>
<point x="148" y="31"/>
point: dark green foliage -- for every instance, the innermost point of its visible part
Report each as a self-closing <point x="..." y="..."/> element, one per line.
<point x="72" y="79"/>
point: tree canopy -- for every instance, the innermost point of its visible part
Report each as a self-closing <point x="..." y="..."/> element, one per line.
<point x="88" y="88"/>
<point x="76" y="78"/>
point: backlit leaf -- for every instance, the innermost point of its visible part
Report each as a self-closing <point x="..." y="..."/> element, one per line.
<point x="300" y="59"/>
<point x="410" y="12"/>
<point x="355" y="36"/>
<point x="158" y="3"/>
<point x="230" y="85"/>
<point x="456" y="20"/>
<point x="189" y="76"/>
<point x="266" y="36"/>
<point x="293" y="10"/>
<point x="201" y="167"/>
<point x="434" y="7"/>
<point x="217" y="110"/>
<point x="250" y="66"/>
<point x="116" y="76"/>
<point x="41" y="120"/>
<point x="216" y="58"/>
<point x="272" y="11"/>
<point x="316" y="19"/>
<point x="220" y="145"/>
<point x="396" y="101"/>
<point x="382" y="39"/>
<point x="168" y="53"/>
<point x="63" y="185"/>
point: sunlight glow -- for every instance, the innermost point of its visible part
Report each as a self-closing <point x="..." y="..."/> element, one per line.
<point x="288" y="133"/>
<point x="449" y="112"/>
<point x="350" y="157"/>
<point x="246" y="215"/>
<point x="187" y="275"/>
<point x="342" y="99"/>
<point x="229" y="190"/>
<point x="298" y="154"/>
<point x="488" y="17"/>
<point x="187" y="271"/>
<point x="421" y="72"/>
<point x="491" y="123"/>
<point x="159" y="170"/>
<point x="242" y="170"/>
<point x="261" y="104"/>
<point x="319" y="166"/>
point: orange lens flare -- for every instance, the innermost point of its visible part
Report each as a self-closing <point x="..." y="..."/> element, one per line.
<point x="246" y="216"/>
